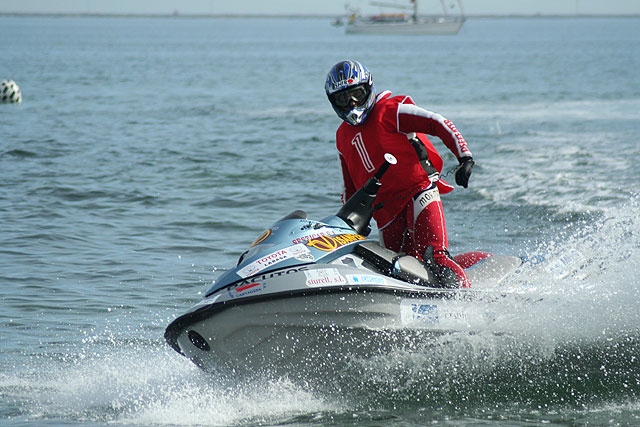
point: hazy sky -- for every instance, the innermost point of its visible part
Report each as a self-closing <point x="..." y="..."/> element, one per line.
<point x="316" y="6"/>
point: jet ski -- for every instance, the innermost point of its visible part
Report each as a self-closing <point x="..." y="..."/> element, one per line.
<point x="314" y="293"/>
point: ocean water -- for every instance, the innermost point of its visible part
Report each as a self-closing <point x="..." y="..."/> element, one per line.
<point x="149" y="152"/>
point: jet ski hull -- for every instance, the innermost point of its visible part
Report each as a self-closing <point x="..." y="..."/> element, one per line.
<point x="280" y="331"/>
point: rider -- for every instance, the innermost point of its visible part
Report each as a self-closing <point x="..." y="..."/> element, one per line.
<point x="408" y="211"/>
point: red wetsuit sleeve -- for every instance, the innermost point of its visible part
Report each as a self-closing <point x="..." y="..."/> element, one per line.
<point x="411" y="118"/>
<point x="349" y="187"/>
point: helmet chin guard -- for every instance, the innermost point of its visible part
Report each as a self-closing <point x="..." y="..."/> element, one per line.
<point x="355" y="117"/>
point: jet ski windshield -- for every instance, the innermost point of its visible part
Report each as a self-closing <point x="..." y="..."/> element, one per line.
<point x="258" y="245"/>
<point x="297" y="214"/>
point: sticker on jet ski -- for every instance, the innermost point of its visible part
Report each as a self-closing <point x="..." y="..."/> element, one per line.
<point x="261" y="238"/>
<point x="299" y="251"/>
<point x="324" y="277"/>
<point x="416" y="311"/>
<point x="425" y="312"/>
<point x="331" y="243"/>
<point x="316" y="234"/>
<point x="366" y="279"/>
<point x="563" y="265"/>
<point x="244" y="289"/>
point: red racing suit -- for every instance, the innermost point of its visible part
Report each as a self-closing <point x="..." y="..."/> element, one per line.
<point x="410" y="217"/>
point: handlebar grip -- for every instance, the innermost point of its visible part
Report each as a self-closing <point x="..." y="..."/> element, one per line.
<point x="389" y="159"/>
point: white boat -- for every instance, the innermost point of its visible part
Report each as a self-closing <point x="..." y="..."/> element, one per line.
<point x="401" y="23"/>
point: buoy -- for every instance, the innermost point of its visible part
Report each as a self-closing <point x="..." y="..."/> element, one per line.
<point x="10" y="92"/>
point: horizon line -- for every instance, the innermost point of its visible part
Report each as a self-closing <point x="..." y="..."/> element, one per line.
<point x="177" y="14"/>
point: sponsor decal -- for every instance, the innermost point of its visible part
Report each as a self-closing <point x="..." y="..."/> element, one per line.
<point x="273" y="274"/>
<point x="319" y="233"/>
<point x="413" y="311"/>
<point x="457" y="135"/>
<point x="244" y="289"/>
<point x="429" y="312"/>
<point x="261" y="238"/>
<point x="305" y="257"/>
<point x="427" y="197"/>
<point x="342" y="83"/>
<point x="331" y="243"/>
<point x="247" y="284"/>
<point x="562" y="265"/>
<point x="424" y="199"/>
<point x="296" y="251"/>
<point x="453" y="315"/>
<point x="256" y="284"/>
<point x="324" y="277"/>
<point x="365" y="279"/>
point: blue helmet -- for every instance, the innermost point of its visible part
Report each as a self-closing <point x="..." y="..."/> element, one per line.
<point x="351" y="91"/>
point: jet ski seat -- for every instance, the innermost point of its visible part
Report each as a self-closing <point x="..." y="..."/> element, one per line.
<point x="396" y="264"/>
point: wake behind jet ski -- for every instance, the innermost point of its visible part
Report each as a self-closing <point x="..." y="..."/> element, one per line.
<point x="309" y="290"/>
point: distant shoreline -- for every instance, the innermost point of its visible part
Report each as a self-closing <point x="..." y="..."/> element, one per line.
<point x="297" y="16"/>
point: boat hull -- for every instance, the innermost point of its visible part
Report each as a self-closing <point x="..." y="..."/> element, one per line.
<point x="435" y="27"/>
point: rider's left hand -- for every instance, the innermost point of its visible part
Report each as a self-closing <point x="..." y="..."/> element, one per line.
<point x="463" y="172"/>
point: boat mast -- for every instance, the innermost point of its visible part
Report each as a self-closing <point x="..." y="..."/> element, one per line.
<point x="444" y="8"/>
<point x="461" y="8"/>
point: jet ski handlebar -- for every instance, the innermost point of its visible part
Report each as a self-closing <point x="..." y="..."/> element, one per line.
<point x="358" y="210"/>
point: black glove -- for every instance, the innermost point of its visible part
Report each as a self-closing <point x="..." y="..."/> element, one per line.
<point x="463" y="172"/>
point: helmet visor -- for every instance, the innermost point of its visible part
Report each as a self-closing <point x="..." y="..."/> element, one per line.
<point x="358" y="95"/>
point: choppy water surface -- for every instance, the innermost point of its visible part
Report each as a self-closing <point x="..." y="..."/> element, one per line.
<point x="149" y="152"/>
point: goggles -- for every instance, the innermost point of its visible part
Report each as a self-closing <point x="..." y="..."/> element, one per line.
<point x="357" y="94"/>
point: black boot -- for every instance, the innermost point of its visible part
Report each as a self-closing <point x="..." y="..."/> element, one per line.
<point x="446" y="277"/>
